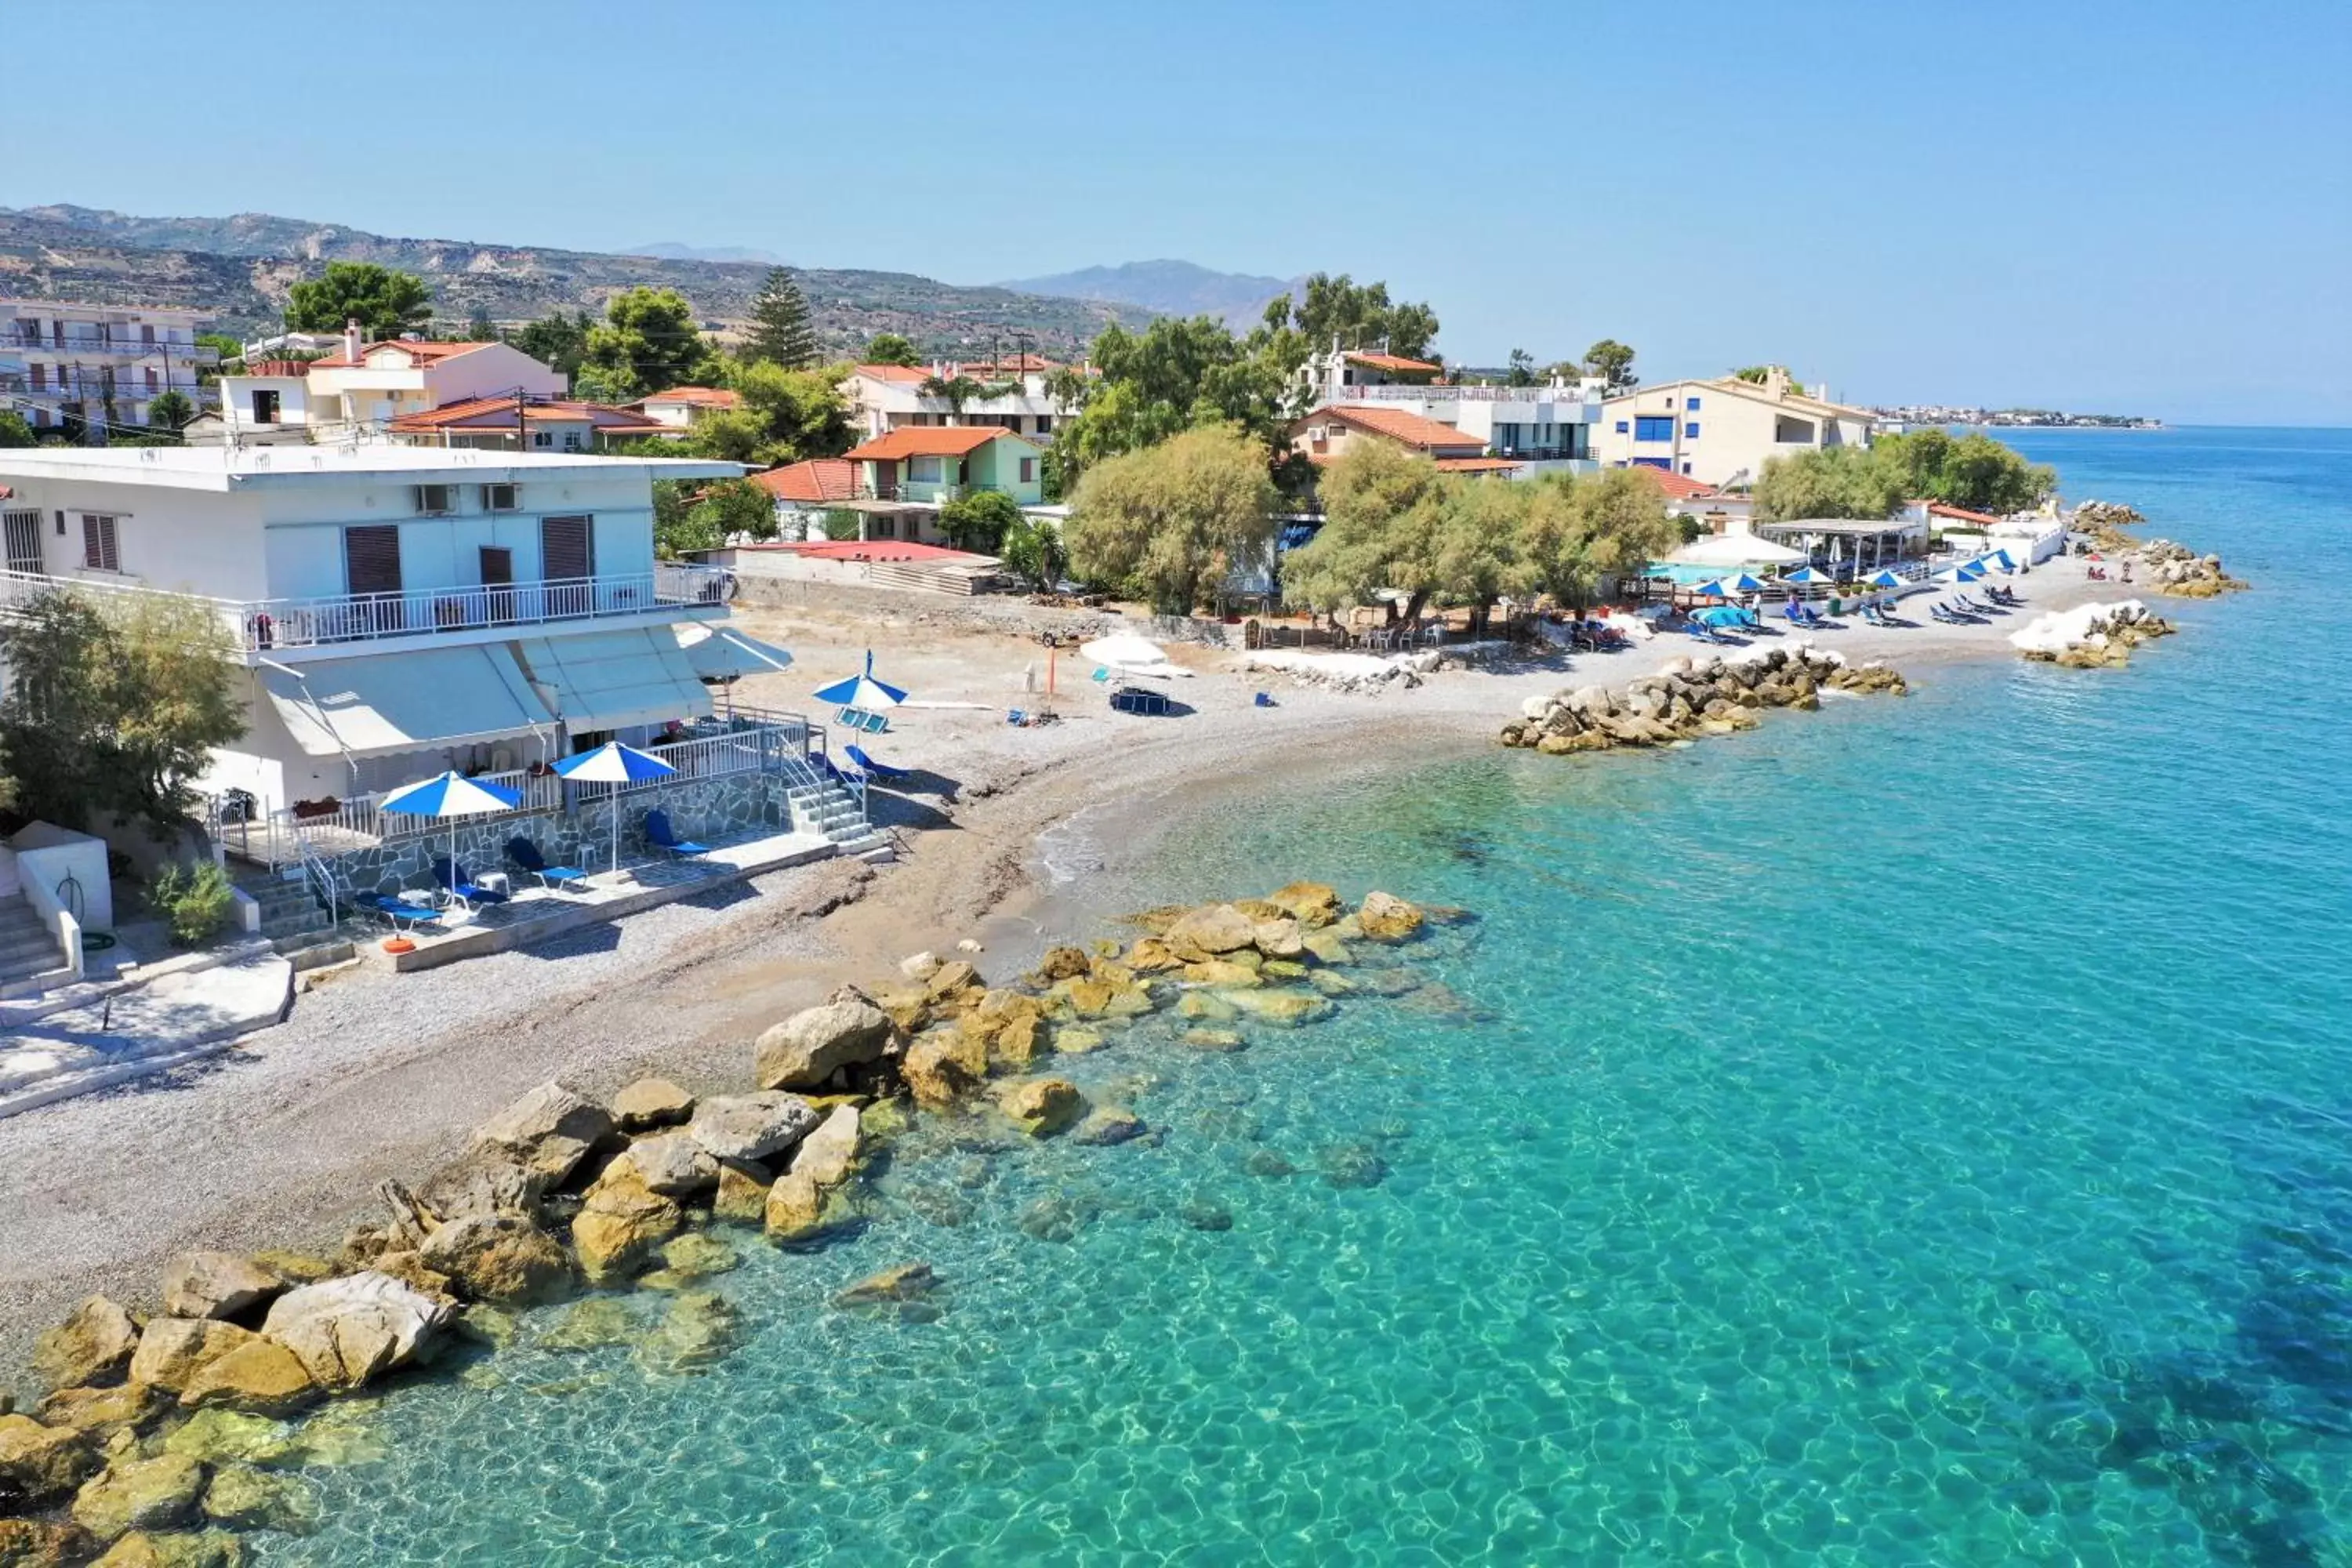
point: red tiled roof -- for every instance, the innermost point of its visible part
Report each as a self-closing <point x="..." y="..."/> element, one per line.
<point x="930" y="441"/>
<point x="698" y="396"/>
<point x="817" y="479"/>
<point x="499" y="413"/>
<point x="1412" y="429"/>
<point x="1475" y="465"/>
<point x="423" y="354"/>
<point x="1391" y="362"/>
<point x="905" y="375"/>
<point x="1678" y="486"/>
<point x="1937" y="509"/>
<point x="872" y="550"/>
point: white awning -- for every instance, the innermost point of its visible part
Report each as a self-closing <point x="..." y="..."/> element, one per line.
<point x="385" y="703"/>
<point x="722" y="653"/>
<point x="1735" y="550"/>
<point x="614" y="680"/>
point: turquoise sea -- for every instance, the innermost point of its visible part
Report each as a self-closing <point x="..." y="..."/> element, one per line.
<point x="1919" y="1132"/>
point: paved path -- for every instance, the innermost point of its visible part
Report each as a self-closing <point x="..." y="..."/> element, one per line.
<point x="145" y="1029"/>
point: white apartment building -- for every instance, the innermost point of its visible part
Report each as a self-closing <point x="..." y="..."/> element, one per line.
<point x="394" y="611"/>
<point x="1548" y="426"/>
<point x="882" y="397"/>
<point x="360" y="392"/>
<point x="104" y="363"/>
<point x="1722" y="432"/>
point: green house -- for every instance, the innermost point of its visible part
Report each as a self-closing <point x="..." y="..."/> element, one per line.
<point x="938" y="463"/>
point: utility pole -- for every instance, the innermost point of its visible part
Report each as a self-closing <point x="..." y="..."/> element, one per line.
<point x="522" y="438"/>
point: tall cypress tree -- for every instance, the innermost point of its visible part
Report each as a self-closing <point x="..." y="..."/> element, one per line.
<point x="781" y="332"/>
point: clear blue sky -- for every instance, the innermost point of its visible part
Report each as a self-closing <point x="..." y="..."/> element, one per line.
<point x="2121" y="207"/>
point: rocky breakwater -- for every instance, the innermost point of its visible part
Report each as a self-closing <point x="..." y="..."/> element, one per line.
<point x="1691" y="697"/>
<point x="161" y="1438"/>
<point x="2180" y="572"/>
<point x="2090" y="636"/>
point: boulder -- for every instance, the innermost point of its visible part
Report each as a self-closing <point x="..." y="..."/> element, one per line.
<point x="671" y="1164"/>
<point x="202" y="1549"/>
<point x="294" y="1268"/>
<point x="174" y="1350"/>
<point x="215" y="1285"/>
<point x="1042" y="1106"/>
<point x="101" y="1412"/>
<point x="548" y="1132"/>
<point x="1311" y="904"/>
<point x="742" y="1191"/>
<point x="1108" y="1125"/>
<point x="750" y="1126"/>
<point x="1279" y="937"/>
<point x="501" y="1258"/>
<point x="1063" y="963"/>
<point x="597" y="1323"/>
<point x="954" y="976"/>
<point x="92" y="1345"/>
<point x="1282" y="1006"/>
<point x="1386" y="917"/>
<point x="263" y="1375"/>
<point x="40" y="1544"/>
<point x="38" y="1461"/>
<point x="1223" y="1040"/>
<point x="1077" y="1040"/>
<point x="408" y="1266"/>
<point x="919" y="966"/>
<point x="218" y="1436"/>
<point x="1212" y="929"/>
<point x="806" y="1049"/>
<point x="483" y="1181"/>
<point x="901" y="1282"/>
<point x="139" y="1494"/>
<point x="699" y="1329"/>
<point x="698" y="1255"/>
<point x="942" y="1067"/>
<point x="1017" y="1042"/>
<point x="1149" y="955"/>
<point x="622" y="1225"/>
<point x="651" y="1102"/>
<point x="1222" y="972"/>
<point x="250" y="1499"/>
<point x="347" y="1331"/>
<point x="795" y="1210"/>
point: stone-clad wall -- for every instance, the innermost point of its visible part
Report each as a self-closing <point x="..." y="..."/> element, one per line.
<point x="708" y="809"/>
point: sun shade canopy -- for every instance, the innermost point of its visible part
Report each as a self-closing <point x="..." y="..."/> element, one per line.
<point x="615" y="680"/>
<point x="388" y="703"/>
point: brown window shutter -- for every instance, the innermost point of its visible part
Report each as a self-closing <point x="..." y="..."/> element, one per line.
<point x="566" y="549"/>
<point x="372" y="559"/>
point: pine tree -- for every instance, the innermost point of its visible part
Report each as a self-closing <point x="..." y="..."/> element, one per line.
<point x="781" y="332"/>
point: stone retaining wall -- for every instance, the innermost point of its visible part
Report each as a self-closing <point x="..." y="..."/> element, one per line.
<point x="1003" y="615"/>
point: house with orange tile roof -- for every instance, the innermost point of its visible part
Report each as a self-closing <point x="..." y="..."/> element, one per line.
<point x="678" y="407"/>
<point x="885" y="397"/>
<point x="1546" y="425"/>
<point x="901" y="478"/>
<point x="360" y="392"/>
<point x="1328" y="432"/>
<point x="523" y="425"/>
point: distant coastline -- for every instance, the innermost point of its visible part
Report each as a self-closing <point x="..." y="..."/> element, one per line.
<point x="1915" y="414"/>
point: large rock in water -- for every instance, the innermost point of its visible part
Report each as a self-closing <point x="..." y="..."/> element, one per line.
<point x="101" y="1411"/>
<point x="40" y="1544"/>
<point x="174" y="1350"/>
<point x="622" y="1225"/>
<point x="501" y="1258"/>
<point x="92" y="1345"/>
<point x="215" y="1285"/>
<point x="795" y="1207"/>
<point x="651" y="1102"/>
<point x="750" y="1126"/>
<point x="1384" y="917"/>
<point x="38" y="1462"/>
<point x="349" y="1329"/>
<point x="139" y="1494"/>
<point x="1212" y="928"/>
<point x="263" y="1375"/>
<point x="174" y="1549"/>
<point x="548" y="1132"/>
<point x="1042" y="1106"/>
<point x="253" y="1499"/>
<point x="806" y="1049"/>
<point x="944" y="1066"/>
<point x="671" y="1163"/>
<point x="1311" y="904"/>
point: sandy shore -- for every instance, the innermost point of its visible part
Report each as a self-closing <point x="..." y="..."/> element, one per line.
<point x="282" y="1141"/>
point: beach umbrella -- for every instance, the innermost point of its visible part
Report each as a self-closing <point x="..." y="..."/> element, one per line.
<point x="1966" y="572"/>
<point x="862" y="690"/>
<point x="2000" y="558"/>
<point x="615" y="764"/>
<point x="1717" y="589"/>
<point x="1744" y="584"/>
<point x="451" y="795"/>
<point x="1127" y="653"/>
<point x="1806" y="576"/>
<point x="1886" y="579"/>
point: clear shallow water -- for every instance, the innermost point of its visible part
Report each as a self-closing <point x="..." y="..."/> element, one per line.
<point x="1918" y="1133"/>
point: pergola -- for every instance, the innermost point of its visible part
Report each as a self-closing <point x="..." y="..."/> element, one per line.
<point x="1852" y="544"/>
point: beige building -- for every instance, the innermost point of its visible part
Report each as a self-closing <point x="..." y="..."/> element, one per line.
<point x="1721" y="432"/>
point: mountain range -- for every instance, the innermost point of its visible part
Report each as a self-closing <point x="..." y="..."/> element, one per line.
<point x="241" y="268"/>
<point x="1167" y="288"/>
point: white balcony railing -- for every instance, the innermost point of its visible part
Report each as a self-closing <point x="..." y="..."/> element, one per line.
<point x="1463" y="394"/>
<point x="260" y="625"/>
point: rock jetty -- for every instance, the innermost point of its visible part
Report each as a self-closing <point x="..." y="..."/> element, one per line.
<point x="2165" y="566"/>
<point x="2090" y="636"/>
<point x="159" y="1438"/>
<point x="1691" y="697"/>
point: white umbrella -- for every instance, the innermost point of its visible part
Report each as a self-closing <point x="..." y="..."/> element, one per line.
<point x="1127" y="653"/>
<point x="615" y="764"/>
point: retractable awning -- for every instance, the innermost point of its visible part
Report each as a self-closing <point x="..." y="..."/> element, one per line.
<point x="618" y="679"/>
<point x="385" y="703"/>
<point x="721" y="653"/>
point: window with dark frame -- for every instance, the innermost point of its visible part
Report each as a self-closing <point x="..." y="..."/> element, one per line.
<point x="99" y="551"/>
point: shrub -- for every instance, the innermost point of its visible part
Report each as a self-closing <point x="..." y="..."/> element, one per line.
<point x="193" y="901"/>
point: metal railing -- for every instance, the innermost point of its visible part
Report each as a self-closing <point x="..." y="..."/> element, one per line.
<point x="1442" y="393"/>
<point x="262" y="624"/>
<point x="105" y="344"/>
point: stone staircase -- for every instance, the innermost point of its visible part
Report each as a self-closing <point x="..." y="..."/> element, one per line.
<point x="28" y="950"/>
<point x="831" y="810"/>
<point x="293" y="922"/>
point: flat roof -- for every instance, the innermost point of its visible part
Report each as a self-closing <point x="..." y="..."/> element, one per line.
<point x="227" y="469"/>
<point x="1837" y="525"/>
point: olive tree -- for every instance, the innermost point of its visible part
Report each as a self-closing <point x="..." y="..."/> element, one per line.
<point x="1171" y="517"/>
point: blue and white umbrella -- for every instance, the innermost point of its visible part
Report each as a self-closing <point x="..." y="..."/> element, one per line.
<point x="2000" y="558"/>
<point x="1719" y="589"/>
<point x="1888" y="578"/>
<point x="1966" y="572"/>
<point x="614" y="763"/>
<point x="862" y="690"/>
<point x="1806" y="576"/>
<point x="453" y="795"/>
<point x="1745" y="583"/>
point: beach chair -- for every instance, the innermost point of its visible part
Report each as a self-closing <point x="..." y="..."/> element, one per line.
<point x="658" y="835"/>
<point x="1015" y="716"/>
<point x="1795" y="611"/>
<point x="878" y="769"/>
<point x="1701" y="630"/>
<point x="862" y="720"/>
<point x="453" y="879"/>
<point x="527" y="859"/>
<point x="405" y="916"/>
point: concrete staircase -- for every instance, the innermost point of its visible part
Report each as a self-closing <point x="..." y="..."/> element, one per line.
<point x="293" y="922"/>
<point x="831" y="810"/>
<point x="28" y="950"/>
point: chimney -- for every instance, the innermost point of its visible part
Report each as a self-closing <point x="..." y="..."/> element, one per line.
<point x="1776" y="384"/>
<point x="351" y="339"/>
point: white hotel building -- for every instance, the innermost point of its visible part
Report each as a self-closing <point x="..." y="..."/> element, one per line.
<point x="60" y="360"/>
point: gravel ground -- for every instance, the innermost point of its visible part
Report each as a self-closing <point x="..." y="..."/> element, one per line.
<point x="281" y="1141"/>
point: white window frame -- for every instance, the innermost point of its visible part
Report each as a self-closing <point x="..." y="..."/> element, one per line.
<point x="424" y="505"/>
<point x="501" y="498"/>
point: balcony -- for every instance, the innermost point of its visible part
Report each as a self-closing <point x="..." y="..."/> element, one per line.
<point x="268" y="625"/>
<point x="1442" y="394"/>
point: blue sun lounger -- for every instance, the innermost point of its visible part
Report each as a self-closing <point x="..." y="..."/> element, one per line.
<point x="658" y="835"/>
<point x="880" y="770"/>
<point x="527" y="858"/>
<point x="453" y="879"/>
<point x="403" y="915"/>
